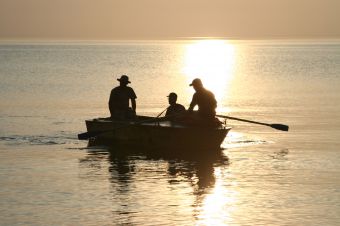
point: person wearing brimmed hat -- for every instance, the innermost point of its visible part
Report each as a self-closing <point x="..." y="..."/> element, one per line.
<point x="119" y="100"/>
<point x="175" y="109"/>
<point x="204" y="99"/>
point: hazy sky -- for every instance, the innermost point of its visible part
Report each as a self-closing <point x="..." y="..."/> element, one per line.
<point x="168" y="19"/>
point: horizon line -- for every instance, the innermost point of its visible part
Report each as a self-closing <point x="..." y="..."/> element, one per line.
<point x="179" y="39"/>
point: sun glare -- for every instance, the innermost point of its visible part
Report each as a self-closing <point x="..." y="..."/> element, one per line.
<point x="213" y="62"/>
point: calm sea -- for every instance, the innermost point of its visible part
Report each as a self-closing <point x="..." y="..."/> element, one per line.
<point x="261" y="177"/>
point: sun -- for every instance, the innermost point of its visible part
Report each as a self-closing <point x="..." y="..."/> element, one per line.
<point x="213" y="62"/>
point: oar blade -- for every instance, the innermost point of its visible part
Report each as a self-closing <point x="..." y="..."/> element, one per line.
<point x="87" y="135"/>
<point x="280" y="127"/>
<point x="83" y="136"/>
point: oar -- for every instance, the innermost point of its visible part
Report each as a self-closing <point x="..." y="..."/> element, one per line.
<point x="161" y="112"/>
<point x="274" y="126"/>
<point x="88" y="135"/>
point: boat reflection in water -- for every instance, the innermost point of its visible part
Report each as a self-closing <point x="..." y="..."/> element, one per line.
<point x="176" y="184"/>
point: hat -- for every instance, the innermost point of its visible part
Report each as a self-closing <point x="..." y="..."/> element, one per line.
<point x="124" y="78"/>
<point x="172" y="95"/>
<point x="196" y="81"/>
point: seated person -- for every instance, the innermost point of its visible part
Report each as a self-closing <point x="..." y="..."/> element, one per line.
<point x="204" y="99"/>
<point x="119" y="100"/>
<point x="206" y="102"/>
<point x="174" y="111"/>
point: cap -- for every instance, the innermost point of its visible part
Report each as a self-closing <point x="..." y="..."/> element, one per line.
<point x="196" y="81"/>
<point x="124" y="78"/>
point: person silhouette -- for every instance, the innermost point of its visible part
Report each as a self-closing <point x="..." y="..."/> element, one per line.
<point x="119" y="100"/>
<point x="175" y="109"/>
<point x="204" y="99"/>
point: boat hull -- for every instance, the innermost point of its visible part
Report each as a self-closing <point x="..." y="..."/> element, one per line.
<point x="157" y="135"/>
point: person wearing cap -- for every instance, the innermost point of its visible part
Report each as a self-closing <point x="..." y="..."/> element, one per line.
<point x="175" y="109"/>
<point x="119" y="100"/>
<point x="204" y="99"/>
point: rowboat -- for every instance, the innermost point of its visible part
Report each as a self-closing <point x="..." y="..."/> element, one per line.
<point x="151" y="132"/>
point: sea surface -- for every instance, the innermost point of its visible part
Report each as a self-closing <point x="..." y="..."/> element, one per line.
<point x="262" y="176"/>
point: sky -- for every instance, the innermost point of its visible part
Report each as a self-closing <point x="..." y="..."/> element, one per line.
<point x="168" y="19"/>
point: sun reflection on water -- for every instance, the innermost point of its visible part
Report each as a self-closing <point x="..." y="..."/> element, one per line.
<point x="215" y="207"/>
<point x="213" y="62"/>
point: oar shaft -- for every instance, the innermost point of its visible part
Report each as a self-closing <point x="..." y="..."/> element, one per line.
<point x="274" y="126"/>
<point x="161" y="113"/>
<point x="243" y="120"/>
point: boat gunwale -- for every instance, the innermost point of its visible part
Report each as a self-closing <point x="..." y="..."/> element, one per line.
<point x="156" y="124"/>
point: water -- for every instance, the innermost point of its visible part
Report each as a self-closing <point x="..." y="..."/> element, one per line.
<point x="262" y="176"/>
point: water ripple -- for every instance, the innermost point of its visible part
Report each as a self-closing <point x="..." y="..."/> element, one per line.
<point x="38" y="139"/>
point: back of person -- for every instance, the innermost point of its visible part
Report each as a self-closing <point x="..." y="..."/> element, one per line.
<point x="206" y="103"/>
<point x="120" y="97"/>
